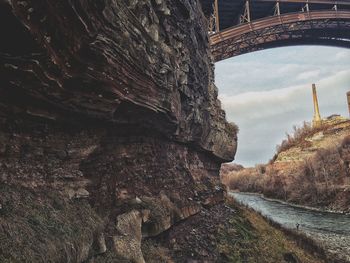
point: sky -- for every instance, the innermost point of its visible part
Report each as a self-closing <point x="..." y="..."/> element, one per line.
<point x="267" y="92"/>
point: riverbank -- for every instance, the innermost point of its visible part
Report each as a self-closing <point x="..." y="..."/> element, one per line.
<point x="227" y="233"/>
<point x="317" y="209"/>
<point x="307" y="243"/>
<point x="311" y="169"/>
<point x="326" y="234"/>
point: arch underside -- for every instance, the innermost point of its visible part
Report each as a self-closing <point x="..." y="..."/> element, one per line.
<point x="326" y="31"/>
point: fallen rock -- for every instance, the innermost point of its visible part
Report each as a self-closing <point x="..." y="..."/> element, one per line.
<point x="127" y="243"/>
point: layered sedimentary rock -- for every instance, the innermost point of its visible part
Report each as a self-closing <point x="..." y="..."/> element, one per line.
<point x="112" y="104"/>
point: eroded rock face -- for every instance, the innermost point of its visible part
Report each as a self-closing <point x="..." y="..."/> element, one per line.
<point x="112" y="101"/>
<point x="127" y="62"/>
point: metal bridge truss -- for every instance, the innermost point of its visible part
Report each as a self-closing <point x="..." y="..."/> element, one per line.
<point x="327" y="27"/>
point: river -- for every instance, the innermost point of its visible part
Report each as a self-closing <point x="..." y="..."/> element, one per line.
<point x="330" y="230"/>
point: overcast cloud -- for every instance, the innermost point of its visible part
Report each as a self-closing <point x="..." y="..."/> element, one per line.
<point x="267" y="92"/>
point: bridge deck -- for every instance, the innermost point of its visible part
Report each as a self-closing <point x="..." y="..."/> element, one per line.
<point x="329" y="27"/>
<point x="231" y="10"/>
<point x="275" y="20"/>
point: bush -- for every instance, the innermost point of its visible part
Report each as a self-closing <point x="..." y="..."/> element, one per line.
<point x="315" y="181"/>
<point x="298" y="136"/>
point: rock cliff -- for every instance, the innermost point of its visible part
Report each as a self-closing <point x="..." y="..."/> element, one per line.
<point x="110" y="126"/>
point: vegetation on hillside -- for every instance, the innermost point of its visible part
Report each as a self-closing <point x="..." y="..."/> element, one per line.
<point x="298" y="137"/>
<point x="321" y="179"/>
<point x="44" y="227"/>
<point x="257" y="241"/>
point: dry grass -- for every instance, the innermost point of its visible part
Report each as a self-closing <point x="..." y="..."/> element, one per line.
<point x="298" y="136"/>
<point x="44" y="227"/>
<point x="154" y="253"/>
<point x="317" y="181"/>
<point x="232" y="234"/>
<point x="258" y="241"/>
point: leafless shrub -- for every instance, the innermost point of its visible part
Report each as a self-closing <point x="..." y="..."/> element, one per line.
<point x="315" y="181"/>
<point x="346" y="142"/>
<point x="298" y="136"/>
<point x="227" y="169"/>
<point x="234" y="127"/>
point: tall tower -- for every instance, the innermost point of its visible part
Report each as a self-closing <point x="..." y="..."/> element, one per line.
<point x="348" y="95"/>
<point x="317" y="117"/>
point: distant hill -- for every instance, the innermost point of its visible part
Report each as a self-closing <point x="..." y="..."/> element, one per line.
<point x="306" y="140"/>
<point x="311" y="167"/>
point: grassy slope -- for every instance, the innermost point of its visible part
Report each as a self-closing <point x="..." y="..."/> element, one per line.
<point x="306" y="147"/>
<point x="224" y="234"/>
<point x="44" y="227"/>
<point x="259" y="241"/>
<point x="47" y="228"/>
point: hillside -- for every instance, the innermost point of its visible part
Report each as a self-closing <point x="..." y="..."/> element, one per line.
<point x="311" y="168"/>
<point x="313" y="139"/>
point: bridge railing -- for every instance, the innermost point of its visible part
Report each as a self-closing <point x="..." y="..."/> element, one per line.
<point x="275" y="20"/>
<point x="245" y="16"/>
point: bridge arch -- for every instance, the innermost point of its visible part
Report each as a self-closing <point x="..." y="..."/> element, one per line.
<point x="292" y="22"/>
<point x="317" y="28"/>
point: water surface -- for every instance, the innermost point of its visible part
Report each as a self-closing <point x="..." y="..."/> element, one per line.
<point x="331" y="230"/>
